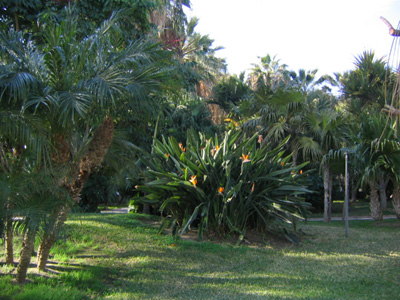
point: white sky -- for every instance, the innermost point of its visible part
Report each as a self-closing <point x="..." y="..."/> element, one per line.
<point x="308" y="34"/>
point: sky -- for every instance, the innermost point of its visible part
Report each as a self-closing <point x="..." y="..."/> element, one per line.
<point x="303" y="34"/>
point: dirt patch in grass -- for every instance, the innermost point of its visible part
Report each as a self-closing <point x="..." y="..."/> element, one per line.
<point x="252" y="238"/>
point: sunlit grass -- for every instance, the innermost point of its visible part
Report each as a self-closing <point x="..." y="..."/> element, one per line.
<point x="119" y="257"/>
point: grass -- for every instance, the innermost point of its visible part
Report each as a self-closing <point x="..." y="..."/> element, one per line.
<point x="359" y="208"/>
<point x="122" y="257"/>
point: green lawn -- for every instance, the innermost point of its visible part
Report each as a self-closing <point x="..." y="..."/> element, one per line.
<point x="359" y="208"/>
<point x="122" y="257"/>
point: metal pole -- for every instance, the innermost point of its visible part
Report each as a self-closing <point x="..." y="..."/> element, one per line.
<point x="346" y="195"/>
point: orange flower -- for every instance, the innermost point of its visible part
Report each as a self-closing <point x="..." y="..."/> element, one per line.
<point x="182" y="148"/>
<point x="217" y="147"/>
<point x="252" y="187"/>
<point x="301" y="171"/>
<point x="193" y="180"/>
<point x="221" y="190"/>
<point x="167" y="155"/>
<point x="245" y="158"/>
<point x="282" y="163"/>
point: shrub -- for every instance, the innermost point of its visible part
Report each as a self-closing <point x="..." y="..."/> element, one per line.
<point x="224" y="186"/>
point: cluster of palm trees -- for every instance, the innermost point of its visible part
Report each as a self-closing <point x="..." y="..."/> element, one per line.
<point x="80" y="93"/>
<point x="74" y="96"/>
<point x="279" y="103"/>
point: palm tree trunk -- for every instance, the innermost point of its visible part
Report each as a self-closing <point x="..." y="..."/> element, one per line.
<point x="353" y="192"/>
<point x="375" y="205"/>
<point x="330" y="192"/>
<point x="396" y="199"/>
<point x="16" y="22"/>
<point x="382" y="190"/>
<point x="26" y="254"/>
<point x="97" y="149"/>
<point x="327" y="200"/>
<point x="9" y="236"/>
<point x="50" y="236"/>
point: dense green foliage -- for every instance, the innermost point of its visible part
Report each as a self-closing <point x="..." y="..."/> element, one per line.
<point x="87" y="88"/>
<point x="225" y="185"/>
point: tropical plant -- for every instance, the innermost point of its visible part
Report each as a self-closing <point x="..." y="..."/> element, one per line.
<point x="269" y="72"/>
<point x="307" y="81"/>
<point x="74" y="85"/>
<point x="368" y="85"/>
<point x="224" y="186"/>
<point x="228" y="92"/>
<point x="276" y="116"/>
<point x="380" y="153"/>
<point x="325" y="132"/>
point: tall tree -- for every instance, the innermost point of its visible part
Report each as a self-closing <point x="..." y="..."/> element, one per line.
<point x="79" y="85"/>
<point x="325" y="132"/>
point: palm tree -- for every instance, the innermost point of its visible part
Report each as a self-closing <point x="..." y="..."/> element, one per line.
<point x="369" y="85"/>
<point x="277" y="115"/>
<point x="32" y="201"/>
<point x="109" y="75"/>
<point x="79" y="84"/>
<point x="23" y="139"/>
<point x="325" y="134"/>
<point x="380" y="153"/>
<point x="269" y="72"/>
<point x="307" y="81"/>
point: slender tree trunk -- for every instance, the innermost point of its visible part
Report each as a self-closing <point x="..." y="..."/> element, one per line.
<point x="375" y="205"/>
<point x="96" y="151"/>
<point x="396" y="199"/>
<point x="382" y="190"/>
<point x="26" y="254"/>
<point x="16" y="20"/>
<point x="353" y="192"/>
<point x="327" y="200"/>
<point x="9" y="236"/>
<point x="50" y="236"/>
<point x="330" y="192"/>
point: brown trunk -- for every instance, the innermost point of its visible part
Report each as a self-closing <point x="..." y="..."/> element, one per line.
<point x="9" y="242"/>
<point x="96" y="151"/>
<point x="16" y="19"/>
<point x="327" y="200"/>
<point x="353" y="192"/>
<point x="396" y="199"/>
<point x="330" y="192"/>
<point x="50" y="237"/>
<point x="382" y="190"/>
<point x="217" y="113"/>
<point x="375" y="205"/>
<point x="26" y="254"/>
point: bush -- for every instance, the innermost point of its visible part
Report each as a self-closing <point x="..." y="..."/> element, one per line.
<point x="224" y="186"/>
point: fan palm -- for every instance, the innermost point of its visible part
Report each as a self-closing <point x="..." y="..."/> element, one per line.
<point x="79" y="86"/>
<point x="269" y="72"/>
<point x="306" y="81"/>
<point x="367" y="85"/>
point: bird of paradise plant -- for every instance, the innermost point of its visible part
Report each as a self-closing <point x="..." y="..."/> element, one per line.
<point x="261" y="195"/>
